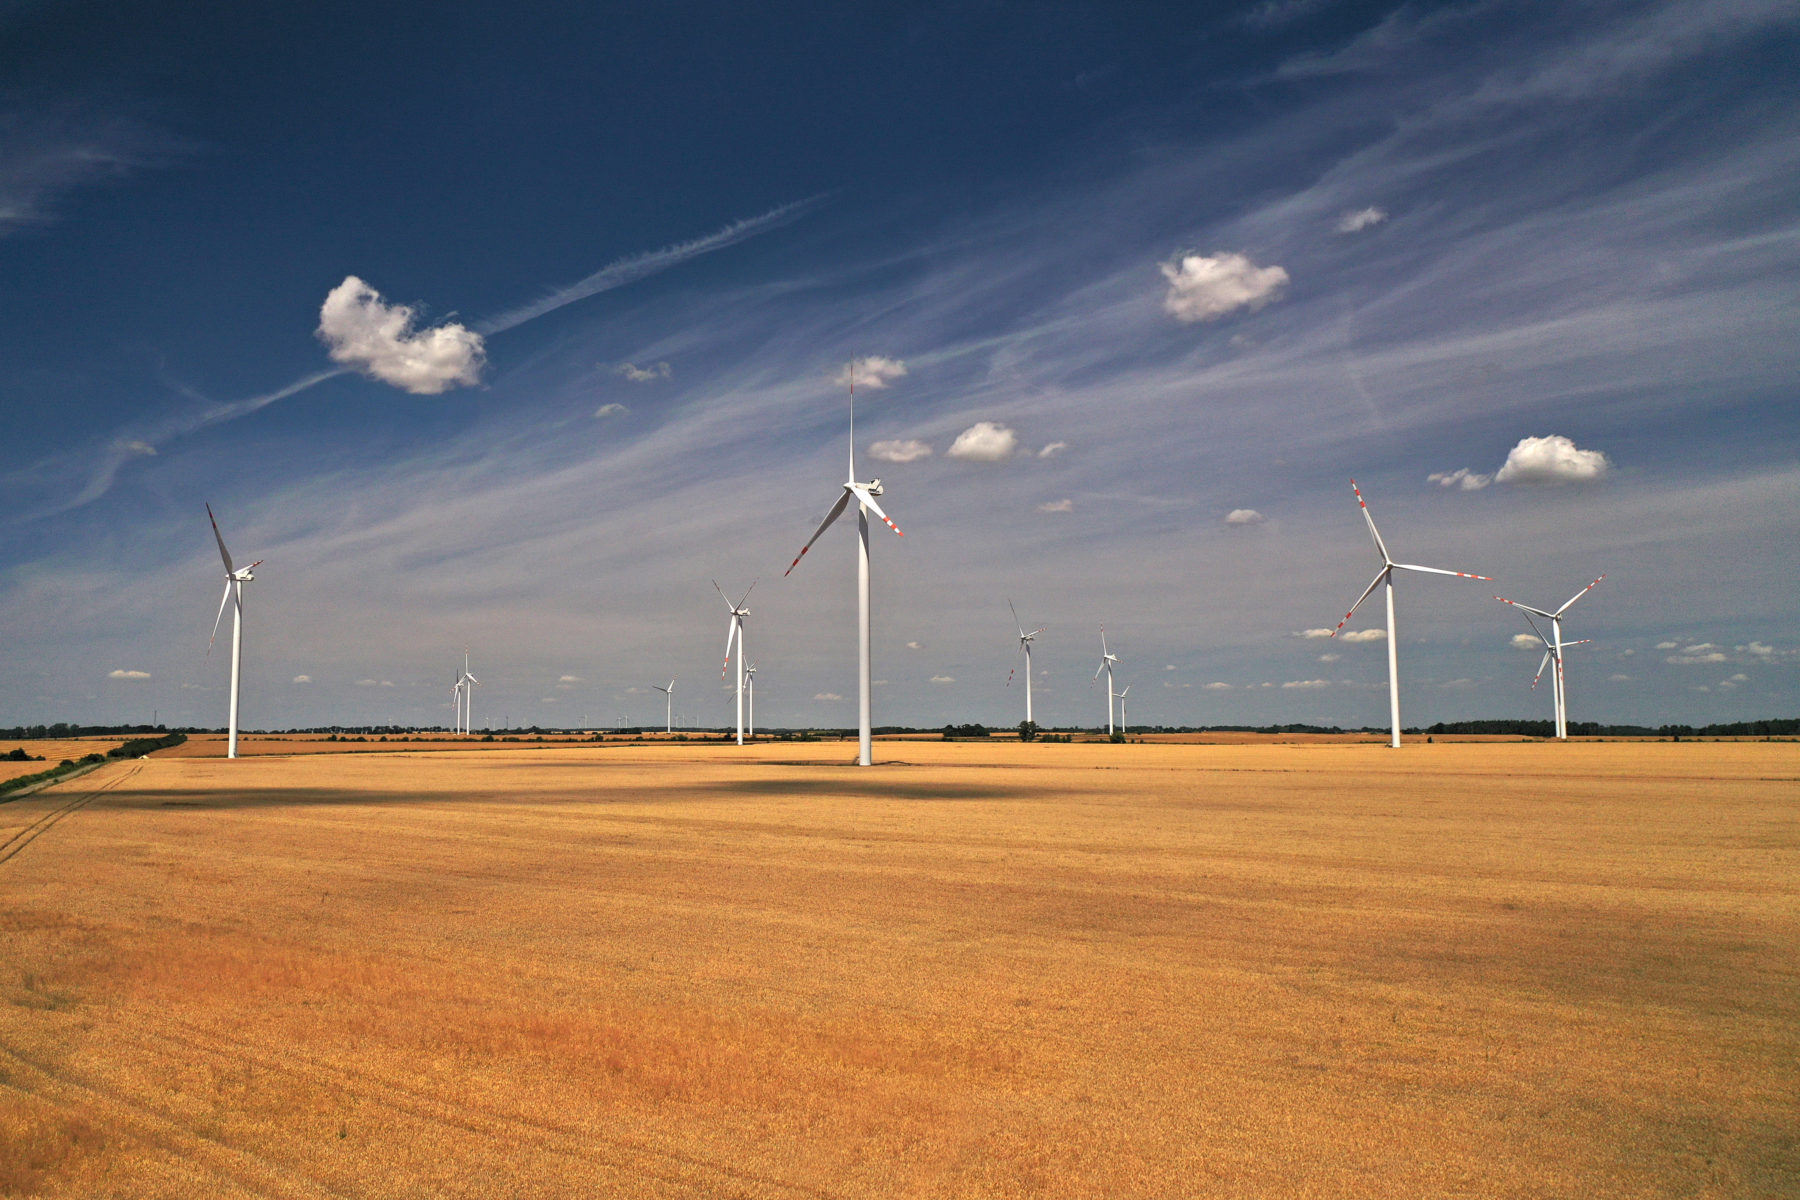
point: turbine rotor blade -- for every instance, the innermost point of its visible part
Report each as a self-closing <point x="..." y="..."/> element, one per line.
<point x="1527" y="608"/>
<point x="730" y="632"/>
<point x="1578" y="595"/>
<point x="837" y="510"/>
<point x="218" y="537"/>
<point x="1440" y="571"/>
<point x="747" y="591"/>
<point x="1016" y="621"/>
<point x="223" y="601"/>
<point x="1540" y="671"/>
<point x="1380" y="546"/>
<point x="1373" y="584"/>
<point x="863" y="495"/>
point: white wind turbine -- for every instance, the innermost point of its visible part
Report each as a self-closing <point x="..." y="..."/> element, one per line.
<point x="864" y="494"/>
<point x="1107" y="659"/>
<point x="669" y="705"/>
<point x="1120" y="697"/>
<point x="750" y="687"/>
<point x="1025" y="640"/>
<point x="468" y="683"/>
<point x="1386" y="575"/>
<point x="1553" y="648"/>
<point x="235" y="579"/>
<point x="456" y="703"/>
<point x="735" y="632"/>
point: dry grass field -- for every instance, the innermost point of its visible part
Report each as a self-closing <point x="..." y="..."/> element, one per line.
<point x="1486" y="970"/>
<point x="52" y="752"/>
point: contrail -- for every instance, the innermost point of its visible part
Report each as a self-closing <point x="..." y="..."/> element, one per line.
<point x="636" y="266"/>
<point x="615" y="274"/>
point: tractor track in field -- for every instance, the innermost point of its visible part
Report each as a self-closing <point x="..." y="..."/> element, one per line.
<point x="628" y="1156"/>
<point x="23" y="837"/>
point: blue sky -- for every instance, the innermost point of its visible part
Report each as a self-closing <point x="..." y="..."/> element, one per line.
<point x="514" y="329"/>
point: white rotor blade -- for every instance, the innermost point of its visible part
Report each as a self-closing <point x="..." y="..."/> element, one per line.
<point x="217" y="536"/>
<point x="747" y="591"/>
<point x="1578" y="595"/>
<point x="223" y="601"/>
<point x="1379" y="576"/>
<point x="1548" y="655"/>
<point x="837" y="510"/>
<point x="1527" y="608"/>
<point x="862" y="494"/>
<point x="721" y="591"/>
<point x="730" y="632"/>
<point x="474" y="681"/>
<point x="1016" y="621"/>
<point x="1441" y="571"/>
<point x="1380" y="546"/>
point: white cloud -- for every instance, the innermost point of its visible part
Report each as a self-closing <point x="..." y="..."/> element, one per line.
<point x="1205" y="289"/>
<point x="1619" y="678"/>
<point x="367" y="683"/>
<point x="1307" y="683"/>
<point x="901" y="451"/>
<point x="943" y="679"/>
<point x="915" y="645"/>
<point x="1057" y="506"/>
<point x="637" y="374"/>
<point x="303" y="679"/>
<point x="1216" y="686"/>
<point x="1696" y="656"/>
<point x="366" y="333"/>
<point x="1740" y="677"/>
<point x="134" y="446"/>
<point x="872" y="372"/>
<point x="1244" y="516"/>
<point x="984" y="441"/>
<point x="1667" y="645"/>
<point x="1553" y="459"/>
<point x="1169" y="667"/>
<point x="1313" y="633"/>
<point x="1362" y="635"/>
<point x="1356" y="222"/>
<point x="611" y="410"/>
<point x="1053" y="449"/>
<point x="128" y="674"/>
<point x="1526" y="641"/>
<point x="827" y="696"/>
<point x="1329" y="657"/>
<point x="1700" y="648"/>
<point x="1462" y="477"/>
<point x="577" y="678"/>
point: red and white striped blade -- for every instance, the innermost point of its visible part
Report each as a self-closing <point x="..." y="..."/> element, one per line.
<point x="1380" y="546"/>
<point x="1526" y="608"/>
<point x="1578" y="595"/>
<point x="863" y="496"/>
<point x="837" y="510"/>
<point x="1441" y="571"/>
<point x="1373" y="584"/>
<point x="218" y="537"/>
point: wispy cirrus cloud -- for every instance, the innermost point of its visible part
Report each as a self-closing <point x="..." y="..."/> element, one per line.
<point x="46" y="153"/>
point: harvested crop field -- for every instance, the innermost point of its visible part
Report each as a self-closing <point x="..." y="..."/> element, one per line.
<point x="1334" y="970"/>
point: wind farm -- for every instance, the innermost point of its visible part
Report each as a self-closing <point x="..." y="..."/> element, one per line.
<point x="517" y="330"/>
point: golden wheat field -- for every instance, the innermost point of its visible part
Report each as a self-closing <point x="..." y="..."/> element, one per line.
<point x="1327" y="970"/>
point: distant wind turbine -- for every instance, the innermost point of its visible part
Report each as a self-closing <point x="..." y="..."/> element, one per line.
<point x="1386" y="575"/>
<point x="235" y="579"/>
<point x="1553" y="650"/>
<point x="456" y="703"/>
<point x="1120" y="697"/>
<point x="750" y="686"/>
<point x="1025" y="640"/>
<point x="469" y="683"/>
<point x="864" y="494"/>
<point x="735" y="632"/>
<point x="668" y="706"/>
<point x="1107" y="659"/>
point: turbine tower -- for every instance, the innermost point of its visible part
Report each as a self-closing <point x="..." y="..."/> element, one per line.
<point x="864" y="494"/>
<point x="468" y="683"/>
<point x="1386" y="575"/>
<point x="235" y="579"/>
<point x="1025" y="640"/>
<point x="1553" y="648"/>
<point x="456" y="703"/>
<point x="1107" y="659"/>
<point x="735" y="632"/>
<point x="1120" y="697"/>
<point x="669" y="705"/>
<point x="750" y="687"/>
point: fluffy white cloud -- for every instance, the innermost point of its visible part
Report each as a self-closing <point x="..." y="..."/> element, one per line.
<point x="1703" y="653"/>
<point x="1216" y="686"/>
<point x="128" y="674"/>
<point x="575" y="678"/>
<point x="368" y="334"/>
<point x="915" y="645"/>
<point x="1057" y="506"/>
<point x="1363" y="635"/>
<point x="1314" y="633"/>
<point x="374" y="683"/>
<point x="943" y="679"/>
<point x="1462" y="477"/>
<point x="303" y="679"/>
<point x="984" y="441"/>
<point x="1619" y="678"/>
<point x="637" y="374"/>
<point x="827" y="696"/>
<point x="872" y="372"/>
<point x="1329" y="657"/>
<point x="900" y="451"/>
<point x="1667" y="645"/>
<point x="611" y="410"/>
<point x="1244" y="516"/>
<point x="1307" y="683"/>
<point x="1526" y="641"/>
<point x="1553" y="459"/>
<point x="1053" y="449"/>
<point x="1203" y="288"/>
<point x="1356" y="222"/>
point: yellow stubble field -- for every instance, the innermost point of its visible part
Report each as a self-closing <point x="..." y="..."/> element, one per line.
<point x="1331" y="970"/>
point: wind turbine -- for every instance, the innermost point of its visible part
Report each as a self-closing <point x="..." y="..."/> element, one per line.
<point x="235" y="579"/>
<point x="1553" y="649"/>
<point x="1120" y="697"/>
<point x="669" y="705"/>
<point x="1107" y="659"/>
<point x="1386" y="575"/>
<point x="864" y="494"/>
<point x="750" y="684"/>
<point x="456" y="702"/>
<point x="735" y="631"/>
<point x="1025" y="645"/>
<point x="469" y="684"/>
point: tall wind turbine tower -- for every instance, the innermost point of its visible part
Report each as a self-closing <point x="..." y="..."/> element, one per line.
<point x="1124" y="725"/>
<point x="468" y="683"/>
<point x="1386" y="575"/>
<point x="668" y="705"/>
<point x="1107" y="659"/>
<point x="1025" y="640"/>
<point x="1553" y="647"/>
<point x="750" y="688"/>
<point x="235" y="579"/>
<point x="864" y="494"/>
<point x="735" y="632"/>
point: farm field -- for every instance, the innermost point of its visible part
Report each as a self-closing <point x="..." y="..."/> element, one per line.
<point x="1493" y="969"/>
<point x="52" y="751"/>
